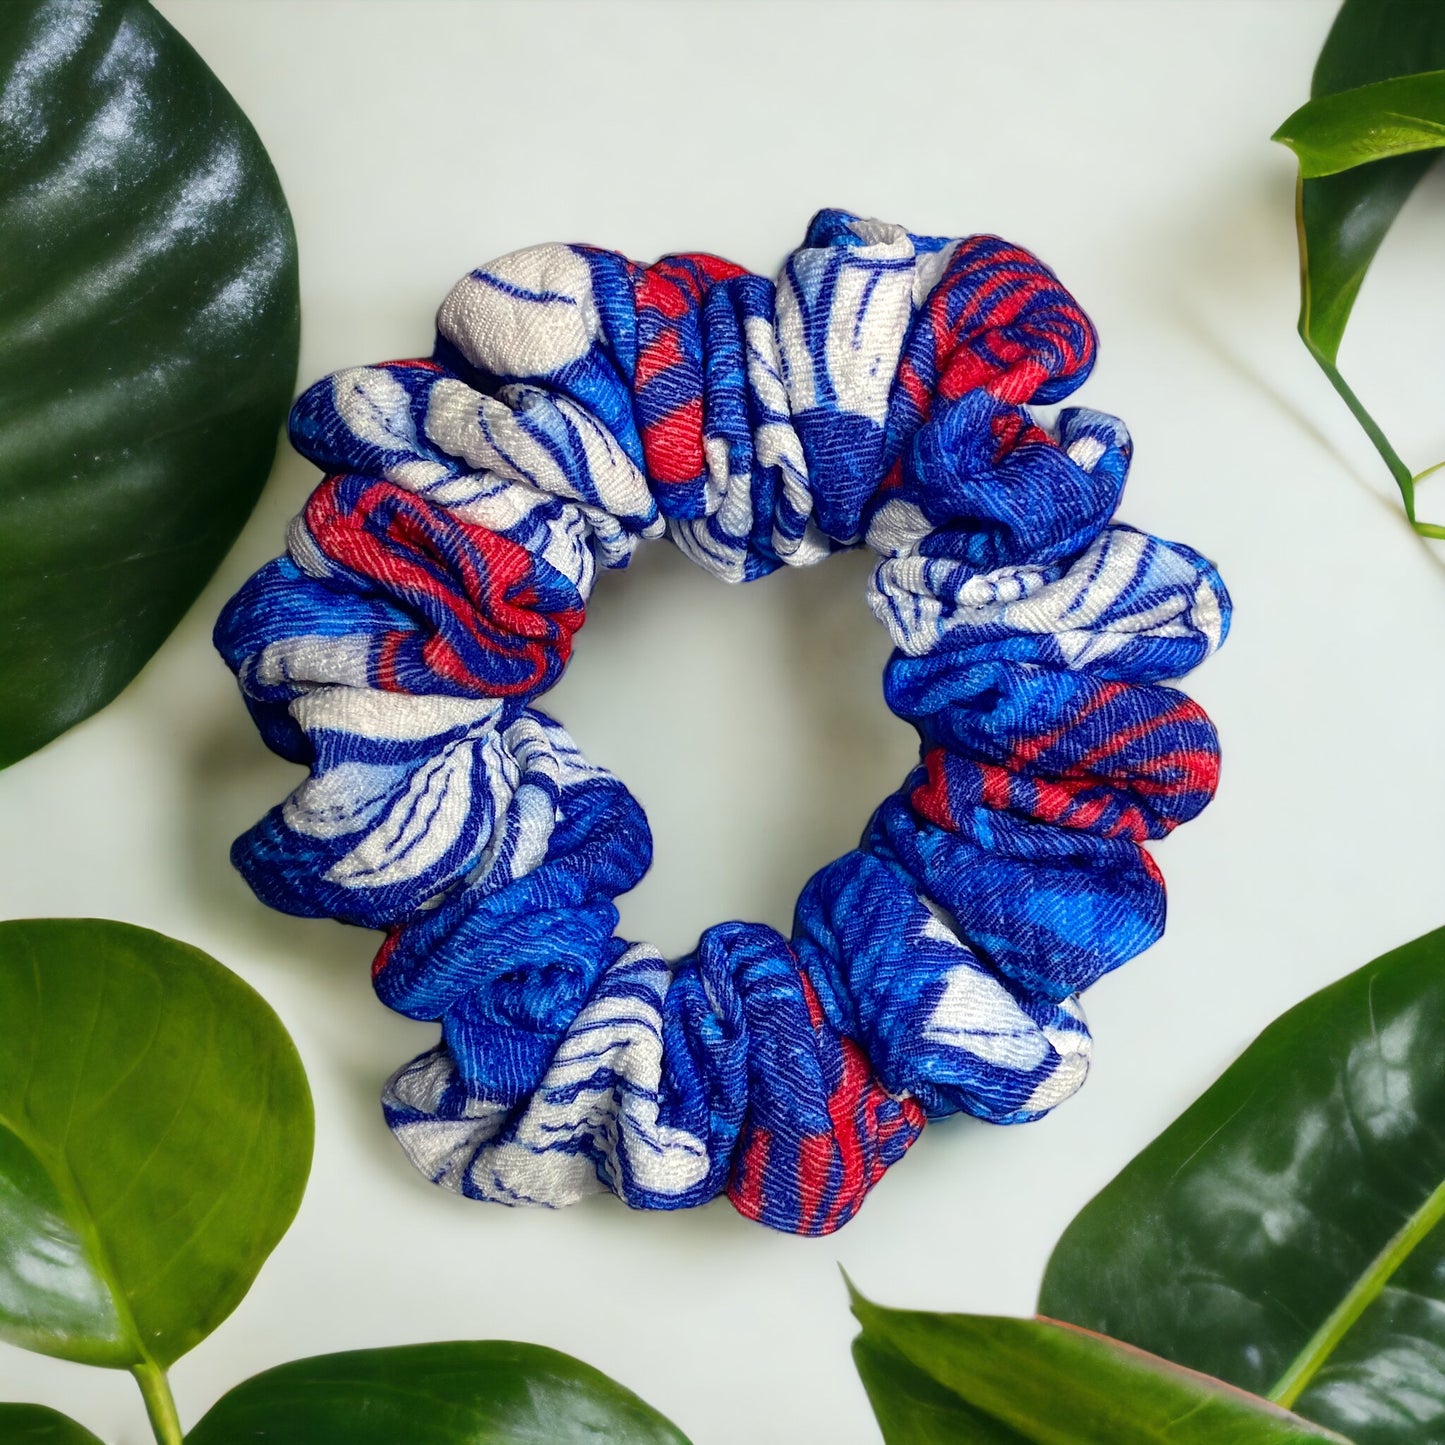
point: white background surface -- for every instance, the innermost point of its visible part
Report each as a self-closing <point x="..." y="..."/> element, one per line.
<point x="1127" y="144"/>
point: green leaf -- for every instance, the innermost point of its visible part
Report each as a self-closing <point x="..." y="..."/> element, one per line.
<point x="1043" y="1383"/>
<point x="37" y="1425"/>
<point x="471" y="1392"/>
<point x="1284" y="1232"/>
<point x="155" y="1137"/>
<point x="1390" y="118"/>
<point x="914" y="1409"/>
<point x="148" y="334"/>
<point x="1343" y="219"/>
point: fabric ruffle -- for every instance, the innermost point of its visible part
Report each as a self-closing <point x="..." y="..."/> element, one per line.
<point x="879" y="393"/>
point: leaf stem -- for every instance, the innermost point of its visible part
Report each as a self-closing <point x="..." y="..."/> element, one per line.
<point x="1365" y="1291"/>
<point x="155" y="1390"/>
<point x="1429" y="529"/>
<point x="1404" y="478"/>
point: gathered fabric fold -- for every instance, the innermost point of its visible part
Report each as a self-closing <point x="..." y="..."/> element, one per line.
<point x="882" y="392"/>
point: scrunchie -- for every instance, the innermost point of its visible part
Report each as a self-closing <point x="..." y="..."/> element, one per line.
<point x="878" y="393"/>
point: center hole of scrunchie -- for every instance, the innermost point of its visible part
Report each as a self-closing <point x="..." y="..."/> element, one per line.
<point x="749" y="722"/>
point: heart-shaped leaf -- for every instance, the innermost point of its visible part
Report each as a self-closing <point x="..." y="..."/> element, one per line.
<point x="148" y="336"/>
<point x="995" y="1381"/>
<point x="36" y="1425"/>
<point x="1284" y="1233"/>
<point x="1344" y="218"/>
<point x="1353" y="127"/>
<point x="471" y="1392"/>
<point x="155" y="1137"/>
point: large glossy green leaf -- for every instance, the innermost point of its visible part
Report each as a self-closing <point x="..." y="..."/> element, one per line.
<point x="472" y="1392"/>
<point x="148" y="335"/>
<point x="1284" y="1233"/>
<point x="155" y="1137"/>
<point x="1035" y="1382"/>
<point x="36" y="1425"/>
<point x="1353" y="127"/>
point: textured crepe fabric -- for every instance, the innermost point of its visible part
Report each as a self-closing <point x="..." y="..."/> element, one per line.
<point x="877" y="394"/>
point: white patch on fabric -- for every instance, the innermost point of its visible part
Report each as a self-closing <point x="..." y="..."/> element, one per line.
<point x="526" y="314"/>
<point x="502" y="506"/>
<point x="442" y="1149"/>
<point x="897" y="527"/>
<point x="887" y="234"/>
<point x="375" y="407"/>
<point x="1206" y="615"/>
<point x="399" y="716"/>
<point x="418" y="476"/>
<point x="789" y="333"/>
<point x="423" y="824"/>
<point x="535" y="816"/>
<point x="343" y="800"/>
<point x="978" y="1014"/>
<point x="1075" y="1049"/>
<point x="919" y="599"/>
<point x="870" y="314"/>
<point x="1007" y="585"/>
<point x="311" y="660"/>
<point x="936" y="925"/>
<point x="303" y="551"/>
<point x="600" y="1096"/>
<point x="692" y="537"/>
<point x="1085" y="452"/>
<point x="719" y="472"/>
<point x="490" y="434"/>
<point x="604" y="1087"/>
<point x="928" y="271"/>
<point x="809" y="549"/>
<point x="775" y="439"/>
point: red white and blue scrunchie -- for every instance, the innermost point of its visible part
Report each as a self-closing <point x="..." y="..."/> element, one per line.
<point x="876" y="394"/>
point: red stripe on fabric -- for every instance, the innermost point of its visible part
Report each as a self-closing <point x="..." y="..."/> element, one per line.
<point x="845" y="1105"/>
<point x="657" y="290"/>
<point x="660" y="354"/>
<point x="1183" y="711"/>
<point x="995" y="780"/>
<point x="915" y="388"/>
<point x="1087" y="811"/>
<point x="673" y="445"/>
<point x="1074" y="800"/>
<point x="1132" y="824"/>
<point x="815" y="1166"/>
<point x="671" y="286"/>
<point x="475" y="575"/>
<point x="715" y="268"/>
<point x="1028" y="750"/>
<point x="383" y="954"/>
<point x="745" y="1190"/>
<point x="810" y="998"/>
<point x="386" y="652"/>
<point x="931" y="799"/>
